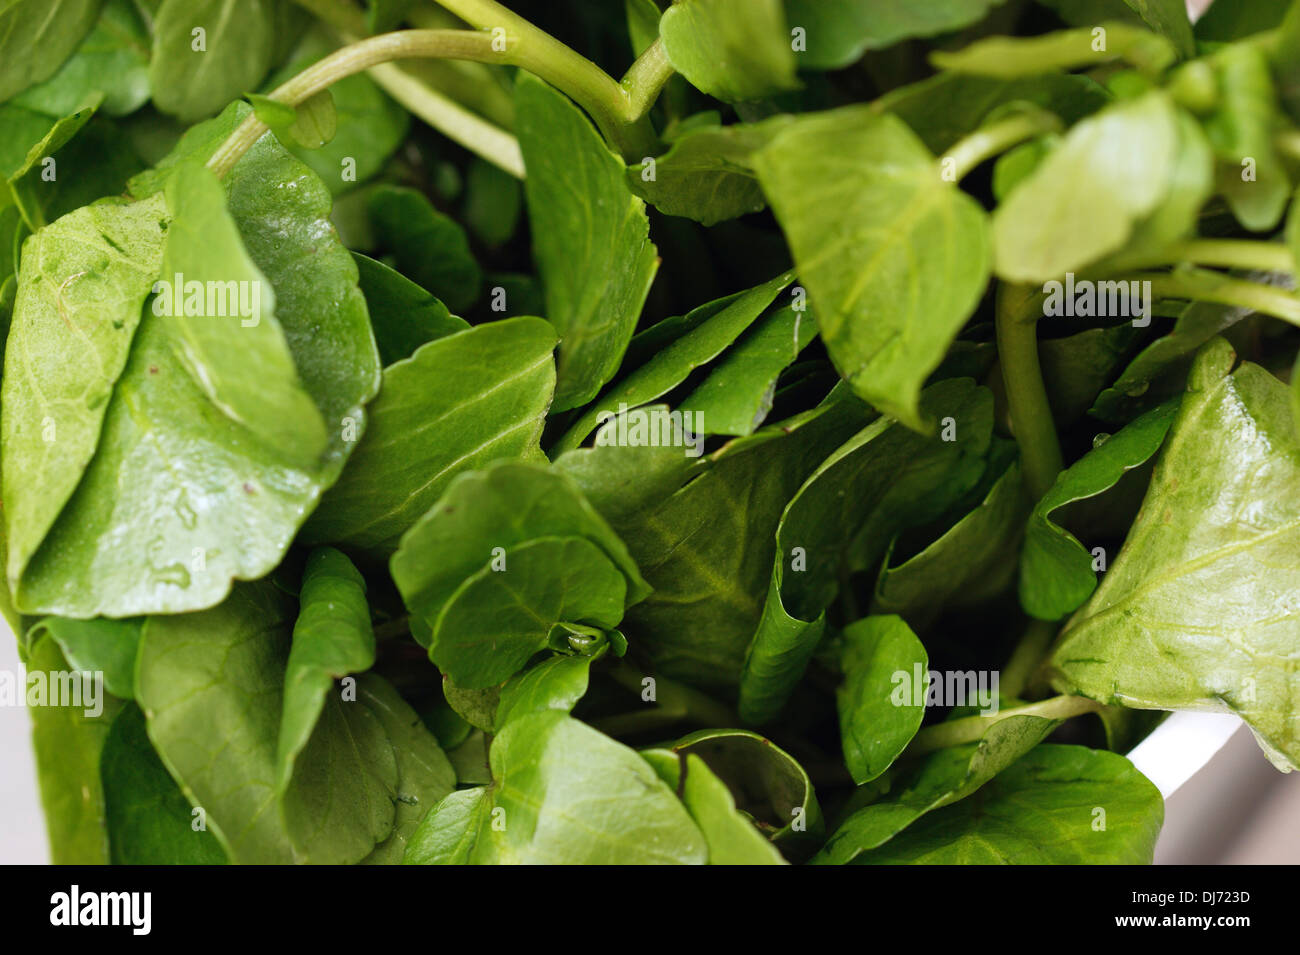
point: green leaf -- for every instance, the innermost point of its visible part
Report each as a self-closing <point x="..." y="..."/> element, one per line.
<point x="316" y="121"/>
<point x="839" y="31"/>
<point x="113" y="59"/>
<point x="731" y="49"/>
<point x="518" y="551"/>
<point x="886" y="477"/>
<point x="210" y="687"/>
<point x="558" y="780"/>
<point x="943" y="778"/>
<point x="706" y="174"/>
<point x="1169" y="19"/>
<point x="149" y="820"/>
<point x="478" y="707"/>
<point x="554" y="684"/>
<point x="98" y="646"/>
<point x="1086" y="199"/>
<point x="739" y="390"/>
<point x="732" y="839"/>
<point x="1195" y="612"/>
<point x="502" y="615"/>
<point x="1056" y="571"/>
<point x="590" y="239"/>
<point x="768" y="783"/>
<point x="450" y="832"/>
<point x="276" y="114"/>
<point x="1009" y="57"/>
<point x="1285" y="59"/>
<point x="342" y="802"/>
<point x="702" y="531"/>
<point x="332" y="638"/>
<point x="875" y="727"/>
<point x="1225" y="22"/>
<point x="428" y="247"/>
<point x="974" y="559"/>
<point x="403" y="315"/>
<point x="37" y="36"/>
<point x="1044" y="810"/>
<point x="424" y="774"/>
<point x="93" y="267"/>
<point x="68" y="741"/>
<point x="231" y="344"/>
<point x="458" y="403"/>
<point x="24" y="186"/>
<point x="642" y="23"/>
<point x="895" y="258"/>
<point x="233" y="504"/>
<point x="493" y="201"/>
<point x="561" y="793"/>
<point x="501" y="506"/>
<point x="193" y="75"/>
<point x="710" y="329"/>
<point x="1251" y="174"/>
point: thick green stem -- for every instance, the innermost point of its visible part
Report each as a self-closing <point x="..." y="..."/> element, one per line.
<point x="1026" y="658"/>
<point x="1018" y="308"/>
<point x="993" y="140"/>
<point x="645" y="78"/>
<point x="970" y="729"/>
<point x="375" y="52"/>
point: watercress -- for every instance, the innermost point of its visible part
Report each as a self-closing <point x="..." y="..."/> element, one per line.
<point x="734" y="440"/>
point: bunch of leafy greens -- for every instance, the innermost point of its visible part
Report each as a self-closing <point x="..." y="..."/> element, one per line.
<point x="443" y="451"/>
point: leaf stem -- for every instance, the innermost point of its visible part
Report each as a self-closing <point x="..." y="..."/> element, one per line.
<point x="1031" y="416"/>
<point x="1026" y="657"/>
<point x="645" y="79"/>
<point x="970" y="729"/>
<point x="996" y="138"/>
<point x="1201" y="285"/>
<point x="614" y="107"/>
<point x="374" y="52"/>
<point x="1248" y="254"/>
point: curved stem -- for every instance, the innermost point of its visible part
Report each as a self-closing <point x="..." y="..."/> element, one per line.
<point x="362" y="55"/>
<point x="610" y="104"/>
<point x="1203" y="286"/>
<point x="970" y="729"/>
<point x="1031" y="416"/>
<point x="997" y="138"/>
<point x="451" y="119"/>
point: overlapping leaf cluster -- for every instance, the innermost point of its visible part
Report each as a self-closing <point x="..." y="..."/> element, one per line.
<point x="594" y="518"/>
